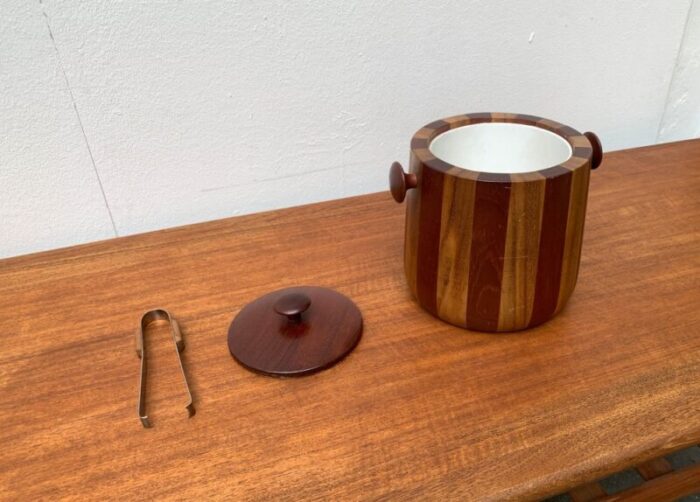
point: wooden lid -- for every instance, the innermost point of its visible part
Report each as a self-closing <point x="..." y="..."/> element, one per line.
<point x="295" y="331"/>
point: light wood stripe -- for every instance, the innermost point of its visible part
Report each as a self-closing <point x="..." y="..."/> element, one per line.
<point x="457" y="121"/>
<point x="411" y="233"/>
<point x="455" y="247"/>
<point x="424" y="133"/>
<point x="580" y="141"/>
<point x="521" y="253"/>
<point x="504" y="116"/>
<point x="574" y="233"/>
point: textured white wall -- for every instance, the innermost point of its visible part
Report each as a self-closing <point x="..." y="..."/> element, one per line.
<point x="681" y="118"/>
<point x="49" y="192"/>
<point x="122" y="117"/>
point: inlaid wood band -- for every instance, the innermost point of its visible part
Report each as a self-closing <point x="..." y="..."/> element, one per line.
<point x="495" y="252"/>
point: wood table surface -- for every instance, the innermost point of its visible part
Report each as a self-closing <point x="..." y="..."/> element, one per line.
<point x="419" y="409"/>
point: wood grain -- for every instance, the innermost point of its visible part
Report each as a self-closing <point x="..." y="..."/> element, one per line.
<point x="488" y="244"/>
<point x="421" y="409"/>
<point x="493" y="251"/>
<point x="574" y="234"/>
<point x="551" y="258"/>
<point x="318" y="328"/>
<point x="521" y="253"/>
<point x="455" y="246"/>
<point x="430" y="190"/>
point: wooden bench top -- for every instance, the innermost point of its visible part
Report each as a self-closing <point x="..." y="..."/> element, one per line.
<point x="419" y="408"/>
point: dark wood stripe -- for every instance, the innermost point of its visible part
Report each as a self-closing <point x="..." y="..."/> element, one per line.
<point x="552" y="172"/>
<point x="568" y="131"/>
<point x="417" y="143"/>
<point x="532" y="119"/>
<point x="438" y="126"/>
<point x="490" y="225"/>
<point x="519" y="120"/>
<point x="441" y="164"/>
<point x="552" y="240"/>
<point x="581" y="151"/>
<point x="431" y="187"/>
<point x="412" y="212"/>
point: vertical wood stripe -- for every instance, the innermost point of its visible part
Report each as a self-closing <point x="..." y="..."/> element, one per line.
<point x="491" y="201"/>
<point x="552" y="239"/>
<point x="574" y="233"/>
<point x="430" y="187"/>
<point x="411" y="230"/>
<point x="521" y="253"/>
<point x="455" y="247"/>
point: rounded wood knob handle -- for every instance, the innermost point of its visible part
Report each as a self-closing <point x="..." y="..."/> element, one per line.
<point x="292" y="305"/>
<point x="597" y="156"/>
<point x="400" y="182"/>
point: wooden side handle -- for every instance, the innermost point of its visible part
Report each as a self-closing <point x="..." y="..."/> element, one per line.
<point x="597" y="156"/>
<point x="400" y="182"/>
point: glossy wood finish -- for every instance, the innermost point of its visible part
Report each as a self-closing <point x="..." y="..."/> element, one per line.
<point x="597" y="156"/>
<point x="400" y="182"/>
<point x="292" y="305"/>
<point x="521" y="257"/>
<point x="295" y="331"/>
<point x="420" y="409"/>
<point x="494" y="252"/>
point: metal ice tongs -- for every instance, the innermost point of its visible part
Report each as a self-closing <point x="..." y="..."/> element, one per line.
<point x="148" y="318"/>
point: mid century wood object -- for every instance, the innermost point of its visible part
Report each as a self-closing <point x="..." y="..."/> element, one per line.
<point x="295" y="331"/>
<point x="494" y="251"/>
<point x="420" y="408"/>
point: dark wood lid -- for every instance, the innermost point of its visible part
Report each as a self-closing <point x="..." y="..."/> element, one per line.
<point x="295" y="331"/>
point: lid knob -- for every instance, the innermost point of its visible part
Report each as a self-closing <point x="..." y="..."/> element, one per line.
<point x="292" y="305"/>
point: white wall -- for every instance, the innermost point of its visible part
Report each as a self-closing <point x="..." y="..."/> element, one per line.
<point x="681" y="119"/>
<point x="123" y="117"/>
